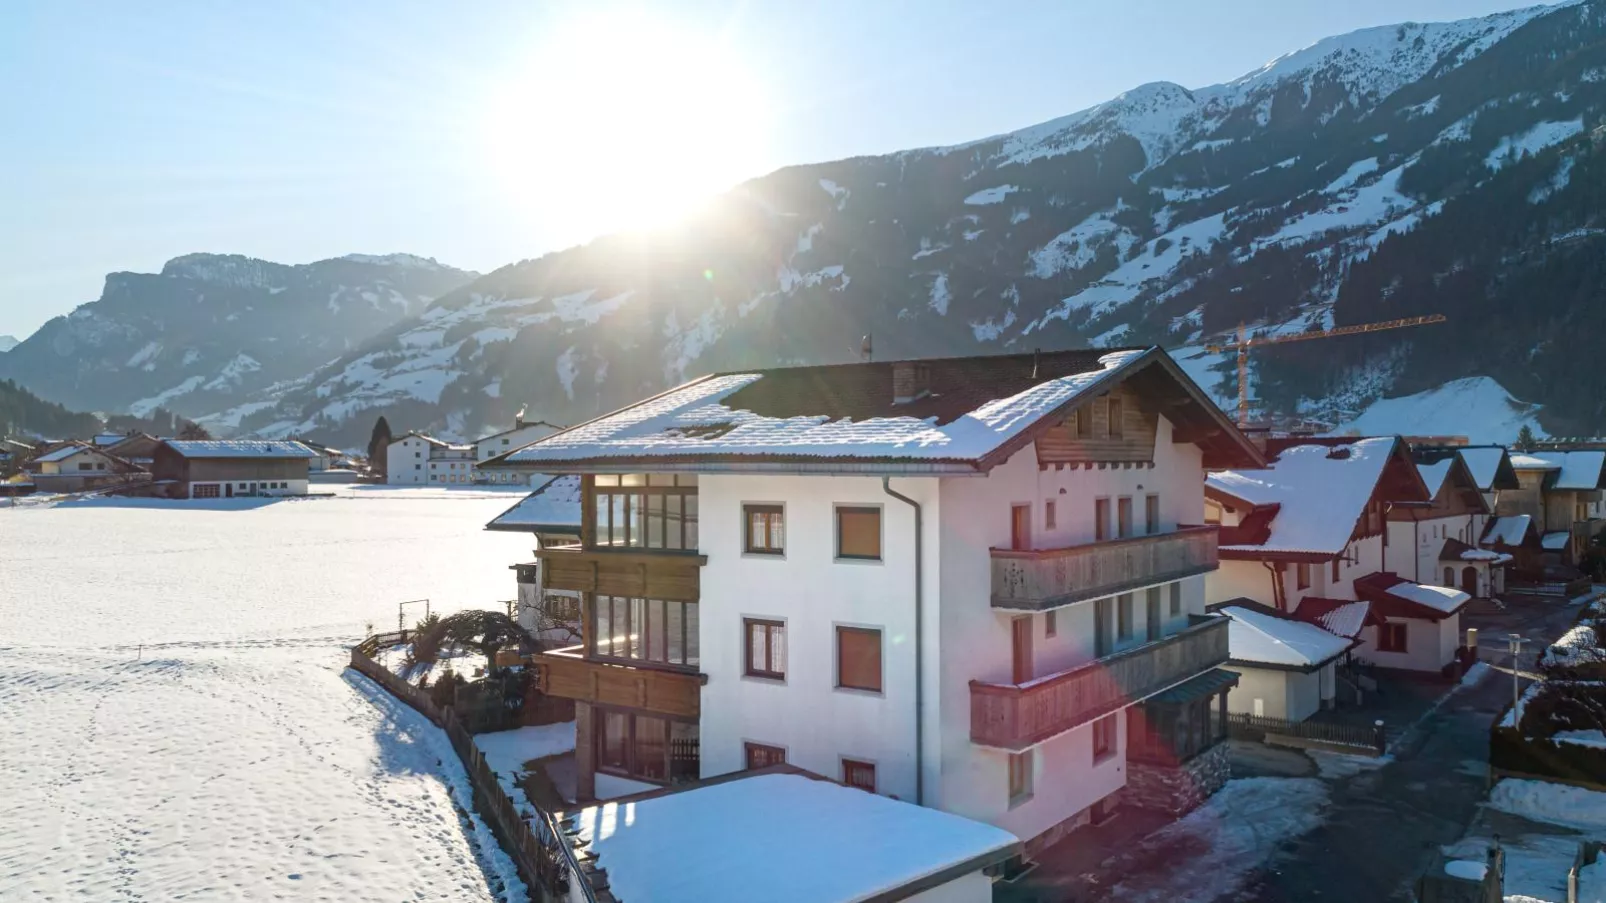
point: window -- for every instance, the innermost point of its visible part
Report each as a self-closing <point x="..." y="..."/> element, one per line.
<point x="86" y="465"/>
<point x="766" y="648"/>
<point x="1449" y="576"/>
<point x="644" y="747"/>
<point x="858" y="533"/>
<point x="1103" y="738"/>
<point x="1101" y="519"/>
<point x="1302" y="575"/>
<point x="1051" y="625"/>
<point x="858" y="658"/>
<point x="1151" y="514"/>
<point x="1084" y="423"/>
<point x="766" y="529"/>
<point x="1151" y="613"/>
<point x="504" y="441"/>
<point x="1049" y="520"/>
<point x="859" y="774"/>
<point x="1123" y="616"/>
<point x="1176" y="599"/>
<point x="1020" y="777"/>
<point x="649" y="630"/>
<point x="635" y="511"/>
<point x="1391" y="638"/>
<point x="1123" y="516"/>
<point x="758" y="755"/>
<point x="1117" y="425"/>
<point x="1335" y="570"/>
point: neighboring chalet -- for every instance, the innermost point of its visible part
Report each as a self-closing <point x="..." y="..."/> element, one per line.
<point x="1287" y="667"/>
<point x="520" y="435"/>
<point x="1314" y="526"/>
<point x="136" y="448"/>
<point x="228" y="468"/>
<point x="976" y="584"/>
<point x="1446" y="535"/>
<point x="79" y="466"/>
<point x="1561" y="492"/>
<point x="552" y="515"/>
<point x="417" y="459"/>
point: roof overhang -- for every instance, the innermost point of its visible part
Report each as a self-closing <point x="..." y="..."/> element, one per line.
<point x="1240" y="553"/>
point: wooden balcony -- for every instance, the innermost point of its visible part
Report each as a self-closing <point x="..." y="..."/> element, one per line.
<point x="569" y="674"/>
<point x="652" y="574"/>
<point x="1040" y="579"/>
<point x="1018" y="716"/>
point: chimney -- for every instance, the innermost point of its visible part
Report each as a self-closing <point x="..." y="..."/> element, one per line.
<point x="518" y="419"/>
<point x="910" y="380"/>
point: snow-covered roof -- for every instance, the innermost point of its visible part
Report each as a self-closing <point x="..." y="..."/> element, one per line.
<point x="63" y="453"/>
<point x="1484" y="463"/>
<point x="1435" y="474"/>
<point x="847" y="414"/>
<point x="239" y="448"/>
<point x="1509" y="530"/>
<point x="1522" y="461"/>
<point x="1336" y="616"/>
<point x="783" y="838"/>
<point x="1444" y="598"/>
<point x="107" y="439"/>
<point x="1578" y="469"/>
<point x="1555" y="541"/>
<point x="555" y="504"/>
<point x="1395" y="597"/>
<point x="1257" y="637"/>
<point x="1321" y="489"/>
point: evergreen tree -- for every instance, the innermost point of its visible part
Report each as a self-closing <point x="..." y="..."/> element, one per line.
<point x="377" y="443"/>
<point x="1525" y="438"/>
<point x="193" y="431"/>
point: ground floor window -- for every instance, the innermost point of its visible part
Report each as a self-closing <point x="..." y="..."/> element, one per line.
<point x="1020" y="777"/>
<point x="1391" y="638"/>
<point x="205" y="491"/>
<point x="859" y="774"/>
<point x="1103" y="738"/>
<point x="645" y="747"/>
<point x="759" y="755"/>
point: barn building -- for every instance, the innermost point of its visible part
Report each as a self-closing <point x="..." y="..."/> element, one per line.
<point x="228" y="468"/>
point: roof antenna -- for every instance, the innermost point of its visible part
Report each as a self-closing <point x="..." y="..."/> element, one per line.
<point x="1037" y="356"/>
<point x="865" y="349"/>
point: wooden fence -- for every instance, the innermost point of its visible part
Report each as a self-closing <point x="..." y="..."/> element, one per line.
<point x="1244" y="726"/>
<point x="538" y="846"/>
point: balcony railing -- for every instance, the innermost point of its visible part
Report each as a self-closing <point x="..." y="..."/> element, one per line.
<point x="1019" y="716"/>
<point x="569" y="674"/>
<point x="1038" y="579"/>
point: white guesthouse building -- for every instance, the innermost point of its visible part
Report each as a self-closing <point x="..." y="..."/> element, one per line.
<point x="418" y="459"/>
<point x="976" y="584"/>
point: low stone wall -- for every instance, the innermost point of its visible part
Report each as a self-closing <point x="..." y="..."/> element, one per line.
<point x="1177" y="789"/>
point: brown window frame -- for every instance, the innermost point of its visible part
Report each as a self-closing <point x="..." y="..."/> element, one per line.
<point x="633" y="764"/>
<point x="1114" y="424"/>
<point x="1084" y="422"/>
<point x="857" y="768"/>
<point x="1386" y="635"/>
<point x="836" y="515"/>
<point x="775" y="516"/>
<point x="1151" y="514"/>
<point x="1020" y="777"/>
<point x="636" y="507"/>
<point x="1302" y="575"/>
<point x="880" y="669"/>
<point x="1335" y="570"/>
<point x="1050" y="522"/>
<point x="643" y="638"/>
<point x="1051" y="627"/>
<point x="1123" y="517"/>
<point x="770" y="628"/>
<point x="752" y="751"/>
<point x="1101" y="519"/>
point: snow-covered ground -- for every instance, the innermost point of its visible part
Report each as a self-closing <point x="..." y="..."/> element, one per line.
<point x="1537" y="859"/>
<point x="178" y="723"/>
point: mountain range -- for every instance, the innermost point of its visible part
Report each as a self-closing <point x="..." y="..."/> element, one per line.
<point x="1446" y="168"/>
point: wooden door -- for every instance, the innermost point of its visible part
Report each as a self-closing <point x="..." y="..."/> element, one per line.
<point x="1020" y="527"/>
<point x="1123" y="516"/>
<point x="1022" y="649"/>
<point x="1103" y="642"/>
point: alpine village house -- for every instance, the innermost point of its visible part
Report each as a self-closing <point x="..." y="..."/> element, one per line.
<point x="976" y="584"/>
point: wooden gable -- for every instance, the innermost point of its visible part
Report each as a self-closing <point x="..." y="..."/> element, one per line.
<point x="1086" y="436"/>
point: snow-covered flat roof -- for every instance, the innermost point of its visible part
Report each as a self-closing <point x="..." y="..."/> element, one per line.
<point x="1443" y="598"/>
<point x="781" y="838"/>
<point x="1522" y="461"/>
<point x="1321" y="489"/>
<point x="1393" y="596"/>
<point x="1578" y="469"/>
<point x="1556" y="541"/>
<point x="556" y="503"/>
<point x="1256" y="637"/>
<point x="240" y="448"/>
<point x="1509" y="530"/>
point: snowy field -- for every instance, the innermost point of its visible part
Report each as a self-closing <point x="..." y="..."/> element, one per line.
<point x="178" y="723"/>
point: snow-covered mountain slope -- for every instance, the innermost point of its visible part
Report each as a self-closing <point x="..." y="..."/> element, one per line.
<point x="8" y="342"/>
<point x="211" y="329"/>
<point x="1441" y="168"/>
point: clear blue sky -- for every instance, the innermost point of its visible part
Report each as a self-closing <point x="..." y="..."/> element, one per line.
<point x="296" y="131"/>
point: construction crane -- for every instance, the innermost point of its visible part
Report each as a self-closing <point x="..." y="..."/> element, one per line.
<point x="1244" y="343"/>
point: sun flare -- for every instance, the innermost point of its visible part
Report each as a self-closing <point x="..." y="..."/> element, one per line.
<point x="623" y="122"/>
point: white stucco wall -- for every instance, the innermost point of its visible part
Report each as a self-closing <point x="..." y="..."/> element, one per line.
<point x="813" y="593"/>
<point x="1429" y="646"/>
<point x="973" y="887"/>
<point x="1426" y="538"/>
<point x="407" y="461"/>
<point x="1251" y="580"/>
<point x="1270" y="687"/>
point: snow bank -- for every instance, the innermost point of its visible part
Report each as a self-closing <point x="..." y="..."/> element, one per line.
<point x="1558" y="804"/>
<point x="1578" y="646"/>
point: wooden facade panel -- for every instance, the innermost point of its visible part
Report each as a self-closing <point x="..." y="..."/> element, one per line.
<point x="1072" y="443"/>
<point x="677" y="578"/>
<point x="645" y="689"/>
<point x="1018" y="716"/>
